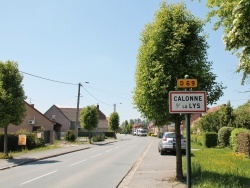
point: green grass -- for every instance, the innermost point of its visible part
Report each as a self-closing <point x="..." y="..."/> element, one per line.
<point x="218" y="168"/>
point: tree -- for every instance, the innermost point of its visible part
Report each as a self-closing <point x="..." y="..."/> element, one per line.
<point x="89" y="119"/>
<point x="233" y="17"/>
<point x="12" y="108"/>
<point x="226" y="114"/>
<point x="210" y="122"/>
<point x="114" y="122"/>
<point x="172" y="46"/>
<point x="242" y="118"/>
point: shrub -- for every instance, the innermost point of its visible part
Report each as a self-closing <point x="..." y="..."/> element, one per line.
<point x="233" y="138"/>
<point x="70" y="136"/>
<point x="224" y="136"/>
<point x="209" y="139"/>
<point x="196" y="138"/>
<point x="243" y="140"/>
<point x="98" y="138"/>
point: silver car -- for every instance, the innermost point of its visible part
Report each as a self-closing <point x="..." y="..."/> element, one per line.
<point x="167" y="143"/>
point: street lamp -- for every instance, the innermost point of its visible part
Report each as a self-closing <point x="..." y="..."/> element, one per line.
<point x="115" y="107"/>
<point x="77" y="110"/>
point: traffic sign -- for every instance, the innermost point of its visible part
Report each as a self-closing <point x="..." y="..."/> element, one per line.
<point x="187" y="101"/>
<point x="187" y="83"/>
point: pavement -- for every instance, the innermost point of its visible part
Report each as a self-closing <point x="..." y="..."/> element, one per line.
<point x="150" y="170"/>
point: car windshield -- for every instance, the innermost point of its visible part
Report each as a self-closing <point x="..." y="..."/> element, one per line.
<point x="170" y="135"/>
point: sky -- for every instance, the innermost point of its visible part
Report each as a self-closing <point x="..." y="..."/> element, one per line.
<point x="61" y="43"/>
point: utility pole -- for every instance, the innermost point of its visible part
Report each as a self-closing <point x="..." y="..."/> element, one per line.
<point x="115" y="107"/>
<point x="77" y="111"/>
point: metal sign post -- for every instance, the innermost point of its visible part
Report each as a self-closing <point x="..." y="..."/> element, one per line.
<point x="187" y="102"/>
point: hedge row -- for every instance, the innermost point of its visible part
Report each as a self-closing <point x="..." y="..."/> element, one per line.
<point x="207" y="139"/>
<point x="31" y="141"/>
<point x="237" y="138"/>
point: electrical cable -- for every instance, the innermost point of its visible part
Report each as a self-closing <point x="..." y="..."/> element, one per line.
<point x="66" y="83"/>
<point x="47" y="78"/>
<point x="95" y="97"/>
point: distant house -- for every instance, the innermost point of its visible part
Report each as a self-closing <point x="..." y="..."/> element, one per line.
<point x="67" y="118"/>
<point x="34" y="120"/>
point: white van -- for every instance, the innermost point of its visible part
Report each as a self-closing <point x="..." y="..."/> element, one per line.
<point x="141" y="132"/>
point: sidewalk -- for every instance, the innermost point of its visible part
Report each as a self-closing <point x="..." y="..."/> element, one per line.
<point x="150" y="170"/>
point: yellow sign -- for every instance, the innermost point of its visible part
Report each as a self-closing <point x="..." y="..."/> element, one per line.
<point x="187" y="83"/>
<point x="22" y="140"/>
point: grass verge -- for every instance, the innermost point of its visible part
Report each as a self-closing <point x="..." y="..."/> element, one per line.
<point x="218" y="168"/>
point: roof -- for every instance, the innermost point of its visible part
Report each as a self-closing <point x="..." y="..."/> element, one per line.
<point x="216" y="108"/>
<point x="70" y="113"/>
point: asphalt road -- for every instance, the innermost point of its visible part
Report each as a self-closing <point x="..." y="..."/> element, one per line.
<point x="103" y="166"/>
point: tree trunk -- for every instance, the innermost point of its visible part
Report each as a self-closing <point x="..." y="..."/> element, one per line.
<point x="6" y="140"/>
<point x="89" y="137"/>
<point x="179" y="172"/>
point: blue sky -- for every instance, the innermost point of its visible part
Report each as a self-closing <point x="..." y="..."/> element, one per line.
<point x="94" y="41"/>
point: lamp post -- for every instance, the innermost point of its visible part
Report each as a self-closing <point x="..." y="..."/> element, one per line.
<point x="77" y="110"/>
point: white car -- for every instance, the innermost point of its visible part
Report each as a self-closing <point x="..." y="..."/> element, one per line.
<point x="168" y="141"/>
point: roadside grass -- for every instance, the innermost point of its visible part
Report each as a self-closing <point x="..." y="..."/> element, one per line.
<point x="218" y="168"/>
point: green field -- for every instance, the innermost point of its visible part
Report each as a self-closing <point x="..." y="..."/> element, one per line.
<point x="218" y="168"/>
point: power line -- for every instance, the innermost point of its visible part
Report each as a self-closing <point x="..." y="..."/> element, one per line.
<point x="95" y="97"/>
<point x="47" y="78"/>
<point x="64" y="83"/>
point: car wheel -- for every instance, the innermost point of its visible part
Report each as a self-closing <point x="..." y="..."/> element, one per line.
<point x="161" y="152"/>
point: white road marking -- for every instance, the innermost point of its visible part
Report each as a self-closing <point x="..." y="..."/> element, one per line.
<point x="96" y="155"/>
<point x="77" y="162"/>
<point x="38" y="177"/>
<point x="109" y="150"/>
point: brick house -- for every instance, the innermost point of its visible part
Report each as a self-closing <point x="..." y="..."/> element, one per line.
<point x="33" y="121"/>
<point x="67" y="118"/>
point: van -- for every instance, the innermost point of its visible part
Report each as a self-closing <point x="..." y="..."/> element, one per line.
<point x="141" y="132"/>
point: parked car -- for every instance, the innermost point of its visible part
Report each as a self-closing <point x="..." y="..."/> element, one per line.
<point x="168" y="141"/>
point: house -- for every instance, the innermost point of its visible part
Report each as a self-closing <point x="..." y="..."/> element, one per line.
<point x="67" y="118"/>
<point x="33" y="121"/>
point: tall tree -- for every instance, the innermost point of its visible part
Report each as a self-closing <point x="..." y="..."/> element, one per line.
<point x="172" y="46"/>
<point x="89" y="119"/>
<point x="114" y="121"/>
<point x="226" y="115"/>
<point x="12" y="108"/>
<point x="233" y="17"/>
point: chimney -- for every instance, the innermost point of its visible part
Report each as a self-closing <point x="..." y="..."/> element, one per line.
<point x="32" y="105"/>
<point x="97" y="106"/>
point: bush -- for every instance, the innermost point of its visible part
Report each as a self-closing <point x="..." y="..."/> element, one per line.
<point x="243" y="140"/>
<point x="233" y="138"/>
<point x="224" y="136"/>
<point x="197" y="139"/>
<point x="209" y="139"/>
<point x="98" y="138"/>
<point x="70" y="136"/>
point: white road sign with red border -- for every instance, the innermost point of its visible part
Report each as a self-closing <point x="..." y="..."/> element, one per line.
<point x="187" y="101"/>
